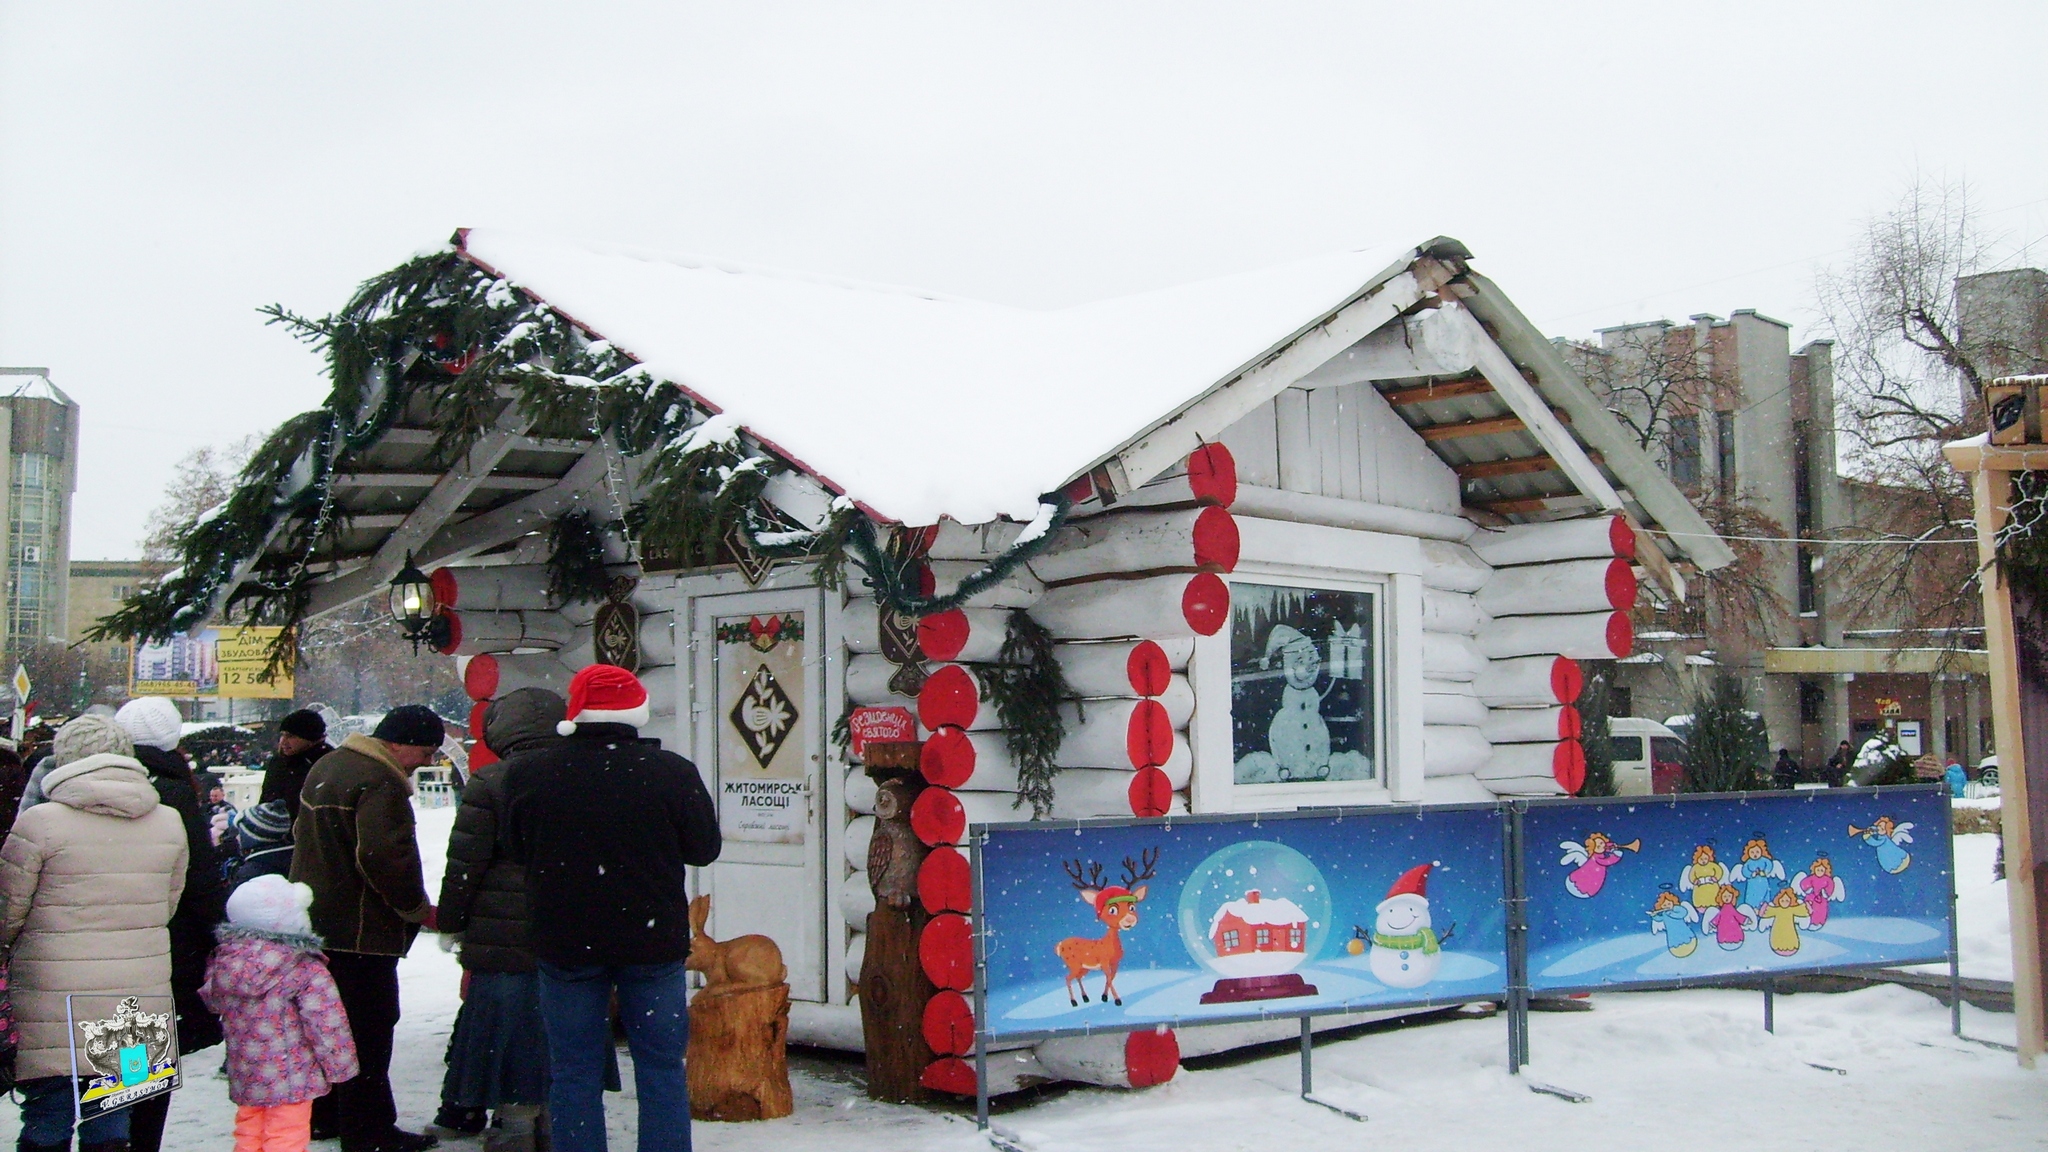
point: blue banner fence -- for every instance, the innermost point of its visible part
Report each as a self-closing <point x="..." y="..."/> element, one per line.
<point x="1084" y="927"/>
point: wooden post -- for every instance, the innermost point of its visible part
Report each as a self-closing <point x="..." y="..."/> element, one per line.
<point x="1993" y="492"/>
<point x="893" y="987"/>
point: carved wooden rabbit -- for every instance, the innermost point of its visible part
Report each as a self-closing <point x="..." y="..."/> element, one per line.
<point x="743" y="961"/>
<point x="739" y="1026"/>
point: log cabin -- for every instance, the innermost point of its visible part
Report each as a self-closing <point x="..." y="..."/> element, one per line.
<point x="1336" y="532"/>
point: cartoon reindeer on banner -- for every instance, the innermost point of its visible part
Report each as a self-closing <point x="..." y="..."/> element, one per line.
<point x="1114" y="905"/>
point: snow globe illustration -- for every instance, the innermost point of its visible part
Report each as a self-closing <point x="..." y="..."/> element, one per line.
<point x="1253" y="913"/>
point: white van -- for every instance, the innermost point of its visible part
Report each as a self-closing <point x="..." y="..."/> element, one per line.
<point x="1648" y="757"/>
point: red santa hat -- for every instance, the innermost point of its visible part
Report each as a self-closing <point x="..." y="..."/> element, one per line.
<point x="605" y="694"/>
<point x="1413" y="882"/>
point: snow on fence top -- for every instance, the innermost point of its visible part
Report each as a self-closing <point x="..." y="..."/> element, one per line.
<point x="921" y="405"/>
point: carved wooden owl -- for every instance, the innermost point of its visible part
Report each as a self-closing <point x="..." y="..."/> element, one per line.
<point x="894" y="853"/>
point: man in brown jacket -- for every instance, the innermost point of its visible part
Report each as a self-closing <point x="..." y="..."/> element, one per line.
<point x="356" y="850"/>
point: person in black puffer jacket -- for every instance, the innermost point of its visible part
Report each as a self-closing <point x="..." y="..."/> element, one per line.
<point x="155" y="726"/>
<point x="497" y="1058"/>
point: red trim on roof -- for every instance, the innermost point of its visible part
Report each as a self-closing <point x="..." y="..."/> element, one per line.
<point x="462" y="250"/>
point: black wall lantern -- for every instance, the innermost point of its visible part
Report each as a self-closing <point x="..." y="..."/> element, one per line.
<point x="414" y="609"/>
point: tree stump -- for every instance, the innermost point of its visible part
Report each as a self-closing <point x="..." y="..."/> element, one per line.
<point x="738" y="1066"/>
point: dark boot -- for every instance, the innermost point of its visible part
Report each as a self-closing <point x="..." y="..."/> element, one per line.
<point x="458" y="1119"/>
<point x="22" y="1144"/>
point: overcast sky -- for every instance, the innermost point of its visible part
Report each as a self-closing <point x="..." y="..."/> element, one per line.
<point x="167" y="168"/>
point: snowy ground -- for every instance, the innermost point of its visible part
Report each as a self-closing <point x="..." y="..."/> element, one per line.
<point x="1696" y="1067"/>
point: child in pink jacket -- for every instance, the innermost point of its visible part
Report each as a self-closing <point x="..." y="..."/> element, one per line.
<point x="288" y="1037"/>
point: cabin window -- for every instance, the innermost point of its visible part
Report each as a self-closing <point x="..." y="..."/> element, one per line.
<point x="1265" y="937"/>
<point x="1304" y="684"/>
<point x="1230" y="939"/>
<point x="1294" y="937"/>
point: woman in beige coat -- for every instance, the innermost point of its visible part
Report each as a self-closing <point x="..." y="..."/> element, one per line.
<point x="88" y="881"/>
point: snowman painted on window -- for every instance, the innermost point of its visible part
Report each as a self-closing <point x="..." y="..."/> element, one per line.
<point x="1298" y="737"/>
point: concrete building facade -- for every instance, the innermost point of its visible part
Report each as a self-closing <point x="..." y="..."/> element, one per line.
<point x="1745" y="424"/>
<point x="39" y="424"/>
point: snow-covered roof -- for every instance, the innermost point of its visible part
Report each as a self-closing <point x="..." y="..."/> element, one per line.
<point x="1277" y="910"/>
<point x="921" y="405"/>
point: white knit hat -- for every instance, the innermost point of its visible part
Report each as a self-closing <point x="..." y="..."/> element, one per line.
<point x="152" y="721"/>
<point x="271" y="903"/>
<point x="90" y="736"/>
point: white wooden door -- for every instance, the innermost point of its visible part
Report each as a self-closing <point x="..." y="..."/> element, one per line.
<point x="758" y="695"/>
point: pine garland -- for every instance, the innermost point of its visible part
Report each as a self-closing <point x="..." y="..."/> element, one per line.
<point x="438" y="333"/>
<point x="894" y="579"/>
<point x="1026" y="685"/>
<point x="576" y="563"/>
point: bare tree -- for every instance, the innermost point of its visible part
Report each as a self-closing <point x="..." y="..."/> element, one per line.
<point x="200" y="481"/>
<point x="356" y="660"/>
<point x="1907" y="381"/>
<point x="1646" y="374"/>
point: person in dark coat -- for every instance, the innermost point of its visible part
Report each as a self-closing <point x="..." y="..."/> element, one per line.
<point x="1839" y="765"/>
<point x="1784" y="773"/>
<point x="497" y="1058"/>
<point x="153" y="723"/>
<point x="301" y="742"/>
<point x="265" y="835"/>
<point x="355" y="846"/>
<point x="13" y="782"/>
<point x="605" y="823"/>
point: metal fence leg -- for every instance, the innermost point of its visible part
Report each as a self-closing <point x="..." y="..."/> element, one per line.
<point x="1770" y="1006"/>
<point x="981" y="1081"/>
<point x="1307" y="1047"/>
<point x="1955" y="967"/>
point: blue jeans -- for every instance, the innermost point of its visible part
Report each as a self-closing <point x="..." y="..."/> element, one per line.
<point x="575" y="1006"/>
<point x="46" y="1111"/>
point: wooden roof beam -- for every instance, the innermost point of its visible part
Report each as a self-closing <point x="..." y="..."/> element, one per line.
<point x="443" y="499"/>
<point x="1424" y="393"/>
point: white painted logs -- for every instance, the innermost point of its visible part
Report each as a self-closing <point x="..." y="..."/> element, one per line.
<point x="867" y="682"/>
<point x="856" y="953"/>
<point x="1531" y="761"/>
<point x="1019" y="589"/>
<point x="1596" y="536"/>
<point x="1207" y="476"/>
<point x="955" y="541"/>
<point x="1451" y="612"/>
<point x="1196" y="539"/>
<point x="1566" y="586"/>
<point x="1530" y="681"/>
<point x="1452" y="567"/>
<point x="1081" y="793"/>
<point x="1531" y="725"/>
<point x="1105" y="732"/>
<point x="970" y="635"/>
<point x="657" y="639"/>
<point x="1107" y="1058"/>
<point x="1449" y="656"/>
<point x="859" y="625"/>
<point x="981" y="761"/>
<point x="1580" y="636"/>
<point x="1116" y="609"/>
<point x="1453" y="750"/>
<point x="494" y="588"/>
<point x="859" y="831"/>
<point x="856" y="899"/>
<point x="663" y="689"/>
<point x="1455" y="790"/>
<point x="1128" y="668"/>
<point x="1451" y="707"/>
<point x="489" y="676"/>
<point x="476" y="633"/>
<point x="860" y="791"/>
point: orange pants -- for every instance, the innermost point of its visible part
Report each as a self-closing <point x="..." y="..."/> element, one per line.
<point x="280" y="1128"/>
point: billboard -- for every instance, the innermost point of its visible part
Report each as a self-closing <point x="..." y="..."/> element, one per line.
<point x="1115" y="926"/>
<point x="227" y="661"/>
<point x="1685" y="889"/>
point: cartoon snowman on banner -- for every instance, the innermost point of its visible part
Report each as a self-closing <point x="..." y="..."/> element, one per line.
<point x="1406" y="951"/>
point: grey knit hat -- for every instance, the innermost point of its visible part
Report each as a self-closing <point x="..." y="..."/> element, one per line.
<point x="271" y="821"/>
<point x="90" y="736"/>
